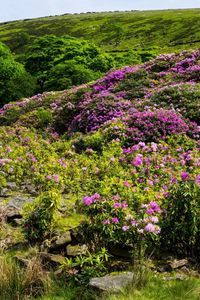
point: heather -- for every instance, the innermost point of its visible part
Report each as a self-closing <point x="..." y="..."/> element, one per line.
<point x="110" y="170"/>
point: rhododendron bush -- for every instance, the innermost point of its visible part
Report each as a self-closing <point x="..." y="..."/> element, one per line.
<point x="123" y="151"/>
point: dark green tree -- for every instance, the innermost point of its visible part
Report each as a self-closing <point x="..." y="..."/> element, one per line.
<point x="15" y="82"/>
<point x="51" y="56"/>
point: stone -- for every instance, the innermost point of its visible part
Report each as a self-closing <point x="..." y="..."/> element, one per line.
<point x="17" y="222"/>
<point x="112" y="283"/>
<point x="61" y="241"/>
<point x="175" y="264"/>
<point x="12" y="213"/>
<point x="11" y="186"/>
<point x="51" y="259"/>
<point x="76" y="250"/>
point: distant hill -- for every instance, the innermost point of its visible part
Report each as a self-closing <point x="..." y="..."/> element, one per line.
<point x="168" y="30"/>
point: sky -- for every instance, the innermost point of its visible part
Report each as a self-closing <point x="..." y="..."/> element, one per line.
<point x="21" y="9"/>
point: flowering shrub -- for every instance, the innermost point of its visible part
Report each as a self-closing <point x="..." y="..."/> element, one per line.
<point x="99" y="109"/>
<point x="184" y="98"/>
<point x="152" y="126"/>
<point x="112" y="221"/>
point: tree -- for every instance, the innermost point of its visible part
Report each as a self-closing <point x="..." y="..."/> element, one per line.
<point x="50" y="56"/>
<point x="15" y="82"/>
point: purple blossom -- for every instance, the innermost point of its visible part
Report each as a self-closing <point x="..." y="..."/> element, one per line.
<point x="185" y="176"/>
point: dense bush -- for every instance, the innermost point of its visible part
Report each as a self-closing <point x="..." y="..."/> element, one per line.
<point x="72" y="61"/>
<point x="40" y="216"/>
<point x="184" y="98"/>
<point x="182" y="217"/>
<point x="15" y="82"/>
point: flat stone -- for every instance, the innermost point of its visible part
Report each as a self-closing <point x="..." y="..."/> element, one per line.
<point x="52" y="259"/>
<point x="112" y="283"/>
<point x="175" y="264"/>
<point x="76" y="250"/>
<point x="61" y="241"/>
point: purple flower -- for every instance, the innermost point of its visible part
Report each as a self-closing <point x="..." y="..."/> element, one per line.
<point x="154" y="205"/>
<point x="138" y="160"/>
<point x="184" y="176"/>
<point x="115" y="220"/>
<point x="117" y="205"/>
<point x="198" y="179"/>
<point x="49" y="177"/>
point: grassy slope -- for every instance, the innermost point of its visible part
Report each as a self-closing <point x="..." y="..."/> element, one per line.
<point x="169" y="30"/>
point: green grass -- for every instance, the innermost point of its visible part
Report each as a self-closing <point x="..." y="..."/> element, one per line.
<point x="156" y="289"/>
<point x="169" y="30"/>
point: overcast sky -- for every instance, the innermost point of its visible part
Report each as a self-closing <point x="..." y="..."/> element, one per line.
<point x="22" y="9"/>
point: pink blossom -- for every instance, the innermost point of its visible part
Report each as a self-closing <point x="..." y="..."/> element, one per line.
<point x="125" y="228"/>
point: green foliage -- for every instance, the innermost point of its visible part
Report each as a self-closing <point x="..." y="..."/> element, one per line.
<point x="39" y="217"/>
<point x="15" y="82"/>
<point x="184" y="98"/>
<point x="82" y="268"/>
<point x="181" y="223"/>
<point x="60" y="62"/>
<point x="69" y="73"/>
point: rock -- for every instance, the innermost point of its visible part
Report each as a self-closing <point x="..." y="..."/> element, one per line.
<point x="175" y="264"/>
<point x="61" y="241"/>
<point x="112" y="283"/>
<point x="11" y="186"/>
<point x="31" y="189"/>
<point x="19" y="200"/>
<point x="12" y="213"/>
<point x="76" y="250"/>
<point x="17" y="222"/>
<point x="51" y="259"/>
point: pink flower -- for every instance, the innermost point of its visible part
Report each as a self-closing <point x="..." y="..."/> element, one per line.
<point x="154" y="205"/>
<point x="87" y="200"/>
<point x="117" y="205"/>
<point x="49" y="177"/>
<point x="149" y="211"/>
<point x="56" y="178"/>
<point x="154" y="220"/>
<point x="125" y="228"/>
<point x="126" y="183"/>
<point x="150" y="228"/>
<point x="106" y="222"/>
<point x="124" y="204"/>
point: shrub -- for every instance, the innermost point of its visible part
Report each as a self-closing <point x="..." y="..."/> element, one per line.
<point x="39" y="218"/>
<point x="152" y="126"/>
<point x="184" y="98"/>
<point x="181" y="223"/>
<point x="112" y="221"/>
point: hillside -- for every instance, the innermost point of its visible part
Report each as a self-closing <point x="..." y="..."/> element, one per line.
<point x="168" y="30"/>
<point x="100" y="177"/>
